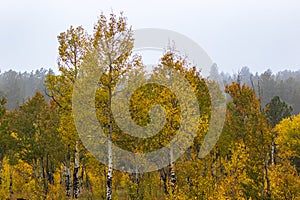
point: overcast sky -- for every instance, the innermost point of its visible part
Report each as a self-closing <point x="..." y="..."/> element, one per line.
<point x="260" y="34"/>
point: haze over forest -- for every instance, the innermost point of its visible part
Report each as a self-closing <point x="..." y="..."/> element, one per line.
<point x="17" y="87"/>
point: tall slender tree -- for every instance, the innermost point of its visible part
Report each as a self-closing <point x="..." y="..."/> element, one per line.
<point x="113" y="43"/>
<point x="73" y="47"/>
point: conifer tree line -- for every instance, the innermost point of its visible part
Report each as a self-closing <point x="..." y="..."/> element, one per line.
<point x="42" y="157"/>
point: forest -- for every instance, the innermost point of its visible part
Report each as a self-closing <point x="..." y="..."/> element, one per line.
<point x="42" y="156"/>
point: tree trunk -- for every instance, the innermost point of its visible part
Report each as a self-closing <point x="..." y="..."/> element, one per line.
<point x="163" y="176"/>
<point x="110" y="130"/>
<point x="43" y="177"/>
<point x="61" y="179"/>
<point x="137" y="181"/>
<point x="150" y="185"/>
<point x="81" y="179"/>
<point x="87" y="179"/>
<point x="49" y="171"/>
<point x="11" y="192"/>
<point x="189" y="158"/>
<point x="42" y="174"/>
<point x="76" y="173"/>
<point x="68" y="176"/>
<point x="36" y="169"/>
<point x="268" y="192"/>
<point x="172" y="174"/>
<point x="273" y="152"/>
<point x="109" y="173"/>
<point x="135" y="178"/>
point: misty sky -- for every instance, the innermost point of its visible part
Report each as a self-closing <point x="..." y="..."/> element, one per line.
<point x="258" y="34"/>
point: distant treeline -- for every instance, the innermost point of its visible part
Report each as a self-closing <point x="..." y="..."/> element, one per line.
<point x="17" y="86"/>
<point x="285" y="84"/>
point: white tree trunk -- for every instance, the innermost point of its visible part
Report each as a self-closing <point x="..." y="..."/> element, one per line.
<point x="110" y="171"/>
<point x="273" y="152"/>
<point x="172" y="173"/>
<point x="110" y="130"/>
<point x="76" y="173"/>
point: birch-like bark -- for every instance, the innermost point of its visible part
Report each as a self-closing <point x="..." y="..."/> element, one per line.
<point x="110" y="171"/>
<point x="273" y="152"/>
<point x="163" y="176"/>
<point x="109" y="143"/>
<point x="172" y="174"/>
<point x="76" y="172"/>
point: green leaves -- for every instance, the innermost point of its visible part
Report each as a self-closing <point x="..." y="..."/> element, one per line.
<point x="276" y="110"/>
